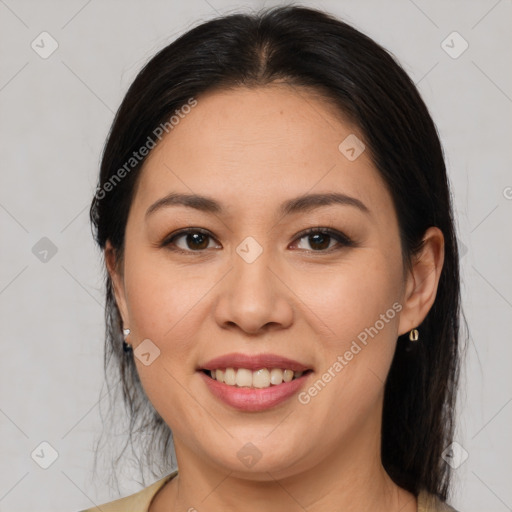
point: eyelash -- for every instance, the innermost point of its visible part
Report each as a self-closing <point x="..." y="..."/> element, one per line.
<point x="342" y="239"/>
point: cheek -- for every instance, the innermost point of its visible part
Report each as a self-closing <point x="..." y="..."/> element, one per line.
<point x="165" y="307"/>
<point x="344" y="301"/>
<point x="357" y="310"/>
<point x="158" y="295"/>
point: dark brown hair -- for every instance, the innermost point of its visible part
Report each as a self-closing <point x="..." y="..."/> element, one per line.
<point x="305" y="47"/>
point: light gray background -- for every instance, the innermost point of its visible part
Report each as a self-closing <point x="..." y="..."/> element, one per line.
<point x="55" y="115"/>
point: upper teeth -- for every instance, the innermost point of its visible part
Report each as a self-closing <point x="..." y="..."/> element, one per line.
<point x="263" y="378"/>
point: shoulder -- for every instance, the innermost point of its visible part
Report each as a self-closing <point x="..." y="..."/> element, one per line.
<point x="430" y="503"/>
<point x="137" y="502"/>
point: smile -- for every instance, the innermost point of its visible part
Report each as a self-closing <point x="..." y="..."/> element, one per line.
<point x="260" y="379"/>
<point x="251" y="398"/>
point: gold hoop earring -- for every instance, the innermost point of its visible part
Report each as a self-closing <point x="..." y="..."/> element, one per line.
<point x="414" y="335"/>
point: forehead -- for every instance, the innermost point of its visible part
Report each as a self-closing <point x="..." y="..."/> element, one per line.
<point x="266" y="143"/>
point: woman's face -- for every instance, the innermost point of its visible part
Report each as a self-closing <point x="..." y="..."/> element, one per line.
<point x="251" y="283"/>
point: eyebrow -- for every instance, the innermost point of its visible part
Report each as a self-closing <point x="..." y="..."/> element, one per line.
<point x="302" y="203"/>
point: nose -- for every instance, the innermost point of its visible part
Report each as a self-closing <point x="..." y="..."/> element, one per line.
<point x="253" y="297"/>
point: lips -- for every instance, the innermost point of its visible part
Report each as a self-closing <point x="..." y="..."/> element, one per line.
<point x="252" y="399"/>
<point x="253" y="362"/>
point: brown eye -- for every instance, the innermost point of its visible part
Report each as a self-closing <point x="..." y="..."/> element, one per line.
<point x="323" y="240"/>
<point x="319" y="241"/>
<point x="190" y="240"/>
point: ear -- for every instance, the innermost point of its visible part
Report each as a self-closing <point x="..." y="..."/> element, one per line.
<point x="116" y="275"/>
<point x="422" y="281"/>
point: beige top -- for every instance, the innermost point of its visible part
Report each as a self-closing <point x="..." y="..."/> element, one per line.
<point x="140" y="501"/>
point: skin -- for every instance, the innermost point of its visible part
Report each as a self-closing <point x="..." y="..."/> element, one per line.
<point x="252" y="149"/>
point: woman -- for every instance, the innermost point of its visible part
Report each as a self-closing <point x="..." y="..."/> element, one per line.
<point x="283" y="281"/>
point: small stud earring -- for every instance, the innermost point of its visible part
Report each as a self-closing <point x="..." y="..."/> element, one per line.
<point x="414" y="335"/>
<point x="126" y="346"/>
